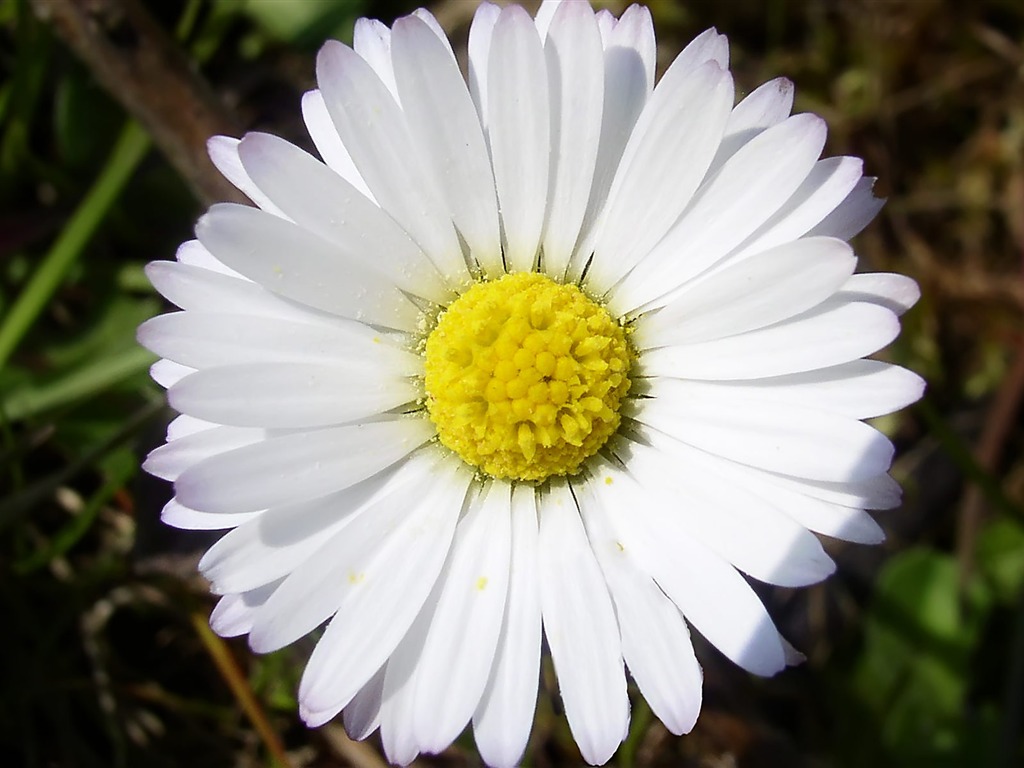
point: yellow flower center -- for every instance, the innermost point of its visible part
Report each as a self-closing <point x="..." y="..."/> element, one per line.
<point x="524" y="377"/>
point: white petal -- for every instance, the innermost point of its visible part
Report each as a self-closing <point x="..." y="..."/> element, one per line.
<point x="733" y="522"/>
<point x="575" y="63"/>
<point x="635" y="30"/>
<point x="545" y="14"/>
<point x="208" y="339"/>
<point x="824" y="188"/>
<point x="713" y="597"/>
<point x="203" y="290"/>
<point x="328" y="142"/>
<point x="281" y="539"/>
<point x="371" y="39"/>
<point x="581" y="630"/>
<point x="897" y="293"/>
<point x="319" y="200"/>
<point x="276" y="396"/>
<point x="707" y="46"/>
<point x="881" y="492"/>
<point x="765" y="106"/>
<point x="183" y="426"/>
<point x="177" y="515"/>
<point x="362" y="714"/>
<point x="397" y="716"/>
<point x="480" y="34"/>
<point x="655" y="641"/>
<point x="168" y="461"/>
<point x="297" y="264"/>
<point x="861" y="389"/>
<point x="315" y="589"/>
<point x="193" y="252"/>
<point x="300" y="466"/>
<point x="458" y="651"/>
<point x="519" y="129"/>
<point x="504" y="717"/>
<point x="232" y="616"/>
<point x="662" y="166"/>
<point x="789" y="497"/>
<point x="749" y="188"/>
<point x="814" y="514"/>
<point x="167" y="373"/>
<point x="754" y="293"/>
<point x="606" y="23"/>
<point x="436" y="102"/>
<point x="377" y="611"/>
<point x="853" y="214"/>
<point x="629" y="59"/>
<point x="223" y="151"/>
<point x="789" y="439"/>
<point x="377" y="135"/>
<point x="844" y="523"/>
<point x="828" y="335"/>
<point x="431" y="21"/>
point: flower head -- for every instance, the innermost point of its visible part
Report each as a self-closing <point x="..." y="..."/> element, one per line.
<point x="559" y="353"/>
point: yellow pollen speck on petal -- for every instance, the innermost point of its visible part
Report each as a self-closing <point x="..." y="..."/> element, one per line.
<point x="356" y="578"/>
<point x="481" y="583"/>
<point x="524" y="377"/>
<point x="608" y="480"/>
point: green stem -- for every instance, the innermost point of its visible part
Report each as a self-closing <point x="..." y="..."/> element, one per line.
<point x="129" y="150"/>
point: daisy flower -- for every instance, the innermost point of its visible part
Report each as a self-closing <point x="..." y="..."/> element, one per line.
<point x="557" y="355"/>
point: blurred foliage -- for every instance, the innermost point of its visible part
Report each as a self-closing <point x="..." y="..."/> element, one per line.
<point x="915" y="649"/>
<point x="301" y="26"/>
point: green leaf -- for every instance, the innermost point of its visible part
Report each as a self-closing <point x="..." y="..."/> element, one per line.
<point x="920" y="632"/>
<point x="275" y="678"/>
<point x="83" y="383"/>
<point x="1001" y="558"/>
<point x="112" y="331"/>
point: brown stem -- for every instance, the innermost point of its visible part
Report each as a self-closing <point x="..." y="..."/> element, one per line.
<point x="143" y="68"/>
<point x="239" y="685"/>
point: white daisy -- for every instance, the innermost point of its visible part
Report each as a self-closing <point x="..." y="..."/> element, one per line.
<point x="561" y="353"/>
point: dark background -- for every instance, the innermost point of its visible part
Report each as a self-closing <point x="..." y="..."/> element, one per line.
<point x="915" y="649"/>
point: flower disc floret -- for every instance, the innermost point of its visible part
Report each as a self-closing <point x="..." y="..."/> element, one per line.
<point x="524" y="377"/>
